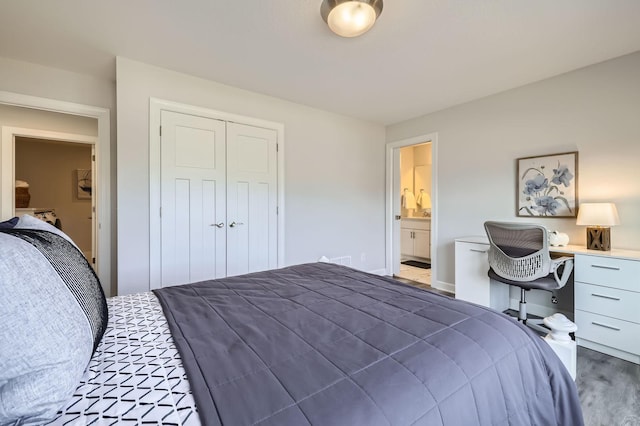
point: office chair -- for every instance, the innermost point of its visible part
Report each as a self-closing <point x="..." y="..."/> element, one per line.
<point x="519" y="256"/>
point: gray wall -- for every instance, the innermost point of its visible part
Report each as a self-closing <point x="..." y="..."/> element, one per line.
<point x="594" y="110"/>
<point x="45" y="82"/>
<point x="334" y="171"/>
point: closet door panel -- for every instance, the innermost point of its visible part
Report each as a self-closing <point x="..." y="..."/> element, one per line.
<point x="193" y="180"/>
<point x="252" y="198"/>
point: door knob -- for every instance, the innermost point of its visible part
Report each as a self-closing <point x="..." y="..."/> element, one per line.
<point x="233" y="224"/>
<point x="218" y="225"/>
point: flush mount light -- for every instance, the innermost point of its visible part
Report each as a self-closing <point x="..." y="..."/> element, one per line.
<point x="350" y="18"/>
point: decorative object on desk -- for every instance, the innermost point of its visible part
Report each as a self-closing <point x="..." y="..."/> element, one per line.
<point x="83" y="184"/>
<point x="22" y="194"/>
<point x="598" y="217"/>
<point x="547" y="185"/>
<point x="558" y="238"/>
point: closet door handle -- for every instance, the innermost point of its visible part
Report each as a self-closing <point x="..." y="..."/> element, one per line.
<point x="218" y="225"/>
<point x="479" y="251"/>
<point x="234" y="223"/>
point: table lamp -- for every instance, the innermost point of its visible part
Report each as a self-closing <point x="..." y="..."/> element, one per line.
<point x="598" y="217"/>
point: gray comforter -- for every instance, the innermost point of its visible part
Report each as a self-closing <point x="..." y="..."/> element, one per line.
<point x="328" y="345"/>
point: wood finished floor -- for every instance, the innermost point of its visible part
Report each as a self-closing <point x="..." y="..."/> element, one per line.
<point x="608" y="387"/>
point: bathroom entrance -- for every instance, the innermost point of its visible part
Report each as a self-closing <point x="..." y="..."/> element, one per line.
<point x="415" y="208"/>
<point x="412" y="210"/>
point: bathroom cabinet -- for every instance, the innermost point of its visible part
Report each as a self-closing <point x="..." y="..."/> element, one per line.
<point x="415" y="238"/>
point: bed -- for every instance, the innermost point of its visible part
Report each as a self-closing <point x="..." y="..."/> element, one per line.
<point x="315" y="344"/>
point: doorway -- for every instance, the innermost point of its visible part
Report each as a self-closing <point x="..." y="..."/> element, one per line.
<point x="412" y="209"/>
<point x="57" y="178"/>
<point x="102" y="183"/>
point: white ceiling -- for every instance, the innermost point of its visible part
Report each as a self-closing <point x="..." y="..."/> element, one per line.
<point x="420" y="57"/>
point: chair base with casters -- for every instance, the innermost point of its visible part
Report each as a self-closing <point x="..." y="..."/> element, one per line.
<point x="547" y="283"/>
<point x="519" y="256"/>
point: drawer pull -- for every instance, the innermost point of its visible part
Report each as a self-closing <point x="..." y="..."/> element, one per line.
<point x="605" y="297"/>
<point x="479" y="251"/>
<point x="613" y="268"/>
<point x="605" y="326"/>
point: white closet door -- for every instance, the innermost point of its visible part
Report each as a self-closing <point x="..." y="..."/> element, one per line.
<point x="251" y="199"/>
<point x="193" y="196"/>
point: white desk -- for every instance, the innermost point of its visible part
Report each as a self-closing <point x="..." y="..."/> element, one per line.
<point x="606" y="293"/>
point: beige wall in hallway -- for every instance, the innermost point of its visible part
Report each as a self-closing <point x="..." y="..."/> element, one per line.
<point x="49" y="168"/>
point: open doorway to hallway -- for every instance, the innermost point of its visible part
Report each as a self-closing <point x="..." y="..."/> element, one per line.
<point x="58" y="179"/>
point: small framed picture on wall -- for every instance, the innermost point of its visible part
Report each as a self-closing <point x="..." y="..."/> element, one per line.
<point x="83" y="184"/>
<point x="547" y="185"/>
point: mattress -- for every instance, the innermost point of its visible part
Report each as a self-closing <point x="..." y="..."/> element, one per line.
<point x="136" y="375"/>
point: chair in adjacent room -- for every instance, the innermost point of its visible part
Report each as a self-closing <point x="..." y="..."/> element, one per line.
<point x="519" y="256"/>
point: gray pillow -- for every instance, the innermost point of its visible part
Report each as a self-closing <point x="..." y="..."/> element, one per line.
<point x="51" y="325"/>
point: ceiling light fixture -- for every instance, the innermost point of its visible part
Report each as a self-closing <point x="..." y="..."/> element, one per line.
<point x="350" y="18"/>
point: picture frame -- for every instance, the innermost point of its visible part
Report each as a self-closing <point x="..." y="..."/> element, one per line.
<point x="547" y="185"/>
<point x="84" y="184"/>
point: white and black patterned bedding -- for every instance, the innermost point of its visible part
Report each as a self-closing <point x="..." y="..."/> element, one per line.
<point x="136" y="375"/>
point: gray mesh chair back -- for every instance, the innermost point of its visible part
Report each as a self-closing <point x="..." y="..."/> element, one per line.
<point x="518" y="251"/>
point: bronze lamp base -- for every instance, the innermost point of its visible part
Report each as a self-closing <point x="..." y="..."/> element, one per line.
<point x="598" y="238"/>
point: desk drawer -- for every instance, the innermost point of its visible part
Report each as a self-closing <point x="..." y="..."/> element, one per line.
<point x="609" y="272"/>
<point x="607" y="331"/>
<point x="608" y="301"/>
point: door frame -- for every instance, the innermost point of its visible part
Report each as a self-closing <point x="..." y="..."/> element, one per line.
<point x="102" y="169"/>
<point x="9" y="135"/>
<point x="392" y="226"/>
<point x="156" y="106"/>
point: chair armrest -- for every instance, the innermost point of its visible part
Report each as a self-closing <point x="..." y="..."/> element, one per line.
<point x="558" y="261"/>
<point x="565" y="261"/>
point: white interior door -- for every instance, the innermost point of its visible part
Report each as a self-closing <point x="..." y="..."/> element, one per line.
<point x="193" y="216"/>
<point x="251" y="199"/>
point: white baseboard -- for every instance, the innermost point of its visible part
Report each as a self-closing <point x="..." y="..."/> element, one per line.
<point x="382" y="271"/>
<point x="443" y="286"/>
<point x="608" y="350"/>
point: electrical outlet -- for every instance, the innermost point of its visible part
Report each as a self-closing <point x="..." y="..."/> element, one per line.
<point x="363" y="257"/>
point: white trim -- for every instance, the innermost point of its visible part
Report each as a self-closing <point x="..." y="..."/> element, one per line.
<point x="155" y="107"/>
<point x="627" y="356"/>
<point x="443" y="286"/>
<point x="103" y="167"/>
<point x="382" y="271"/>
<point x="392" y="193"/>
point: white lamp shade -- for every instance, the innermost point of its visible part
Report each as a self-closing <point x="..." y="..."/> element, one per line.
<point x="598" y="214"/>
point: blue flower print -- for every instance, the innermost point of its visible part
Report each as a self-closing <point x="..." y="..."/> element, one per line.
<point x="562" y="175"/>
<point x="546" y="205"/>
<point x="536" y="184"/>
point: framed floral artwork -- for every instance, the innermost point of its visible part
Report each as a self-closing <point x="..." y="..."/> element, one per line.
<point x="547" y="185"/>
